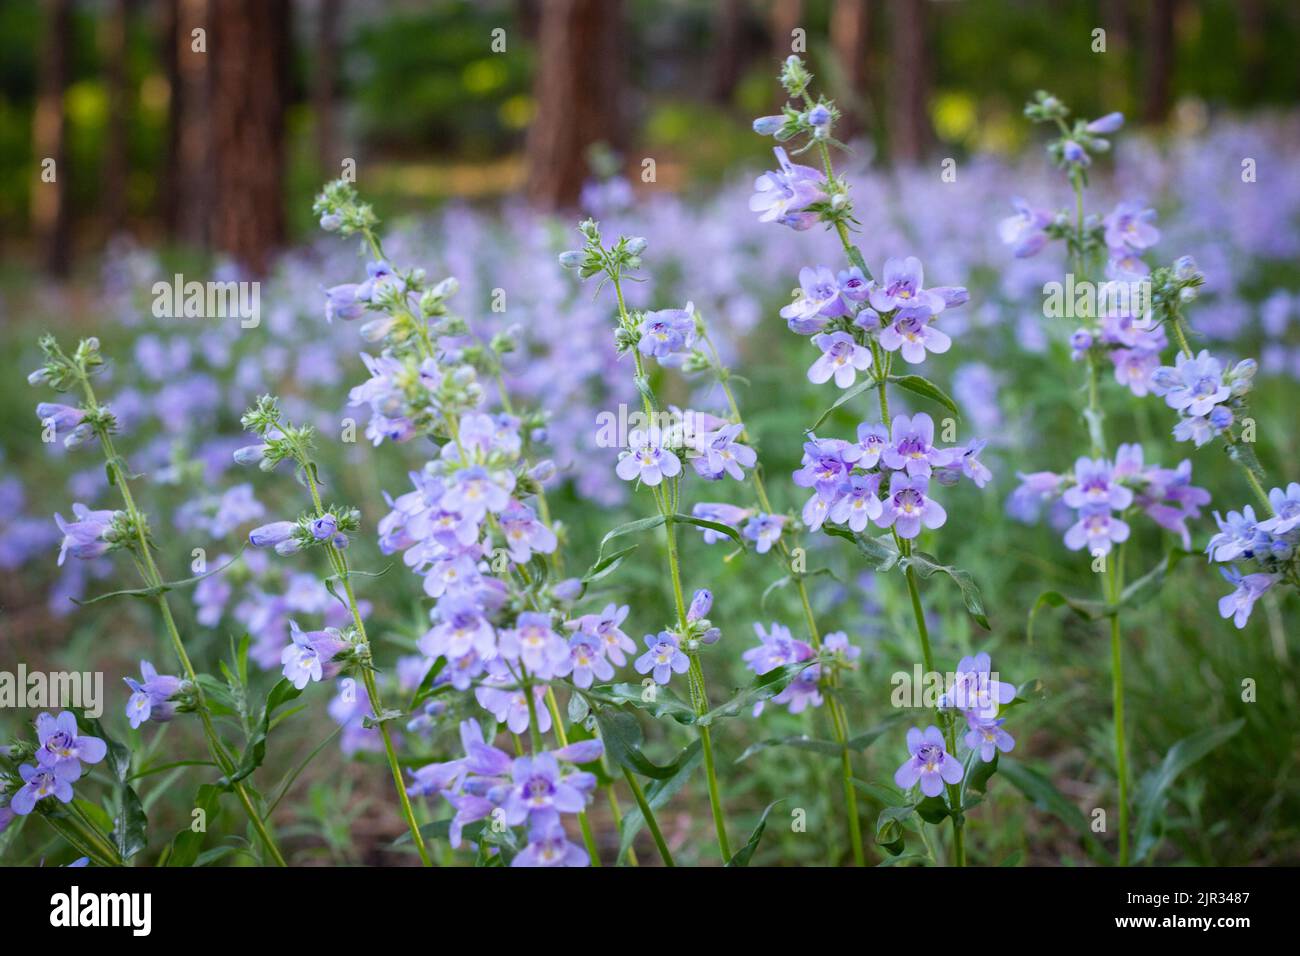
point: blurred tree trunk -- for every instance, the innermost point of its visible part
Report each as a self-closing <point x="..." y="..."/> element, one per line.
<point x="1160" y="59"/>
<point x="1116" y="77"/>
<point x="1254" y="47"/>
<point x="910" y="70"/>
<point x="786" y="16"/>
<point x="577" y="90"/>
<point x="51" y="217"/>
<point x="116" y="157"/>
<point x="188" y="189"/>
<point x="250" y="52"/>
<point x="324" y="85"/>
<point x="728" y="38"/>
<point x="850" y="23"/>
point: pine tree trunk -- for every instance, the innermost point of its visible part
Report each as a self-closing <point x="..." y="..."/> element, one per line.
<point x="324" y="83"/>
<point x="850" y="23"/>
<point x="578" y="94"/>
<point x="1160" y="59"/>
<point x="116" y="158"/>
<point x="910" y="70"/>
<point x="188" y="187"/>
<point x="51" y="217"/>
<point x="250" y="53"/>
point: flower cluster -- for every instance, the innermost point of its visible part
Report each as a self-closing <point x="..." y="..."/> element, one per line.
<point x="778" y="648"/>
<point x="1101" y="493"/>
<point x="1207" y="400"/>
<point x="666" y="652"/>
<point x="1267" y="551"/>
<point x="848" y="478"/>
<point x="157" y="697"/>
<point x="60" y="753"/>
<point x="528" y="791"/>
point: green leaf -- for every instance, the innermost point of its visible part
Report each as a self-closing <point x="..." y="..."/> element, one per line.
<point x="977" y="775"/>
<point x="1151" y="795"/>
<point x="130" y="823"/>
<point x="1142" y="589"/>
<point x="889" y="828"/>
<point x="606" y="565"/>
<point x="880" y="551"/>
<point x="185" y="846"/>
<point x="161" y="589"/>
<point x="658" y="793"/>
<point x="622" y="735"/>
<point x="1086" y="609"/>
<point x="919" y="385"/>
<point x="746" y="852"/>
<point x="846" y="396"/>
<point x="868" y="737"/>
<point x="255" y="752"/>
<point x="764" y="687"/>
<point x="631" y="527"/>
<point x="855" y="256"/>
<point x="796" y="741"/>
<point x="1044" y="795"/>
<point x="926" y="565"/>
<point x="932" y="810"/>
<point x="662" y="702"/>
<point x="720" y="528"/>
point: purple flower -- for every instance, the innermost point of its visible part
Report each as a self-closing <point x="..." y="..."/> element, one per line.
<point x="272" y="535"/>
<point x="312" y="655"/>
<point x="1074" y="153"/>
<point x="701" y="604"/>
<point x="66" y="421"/>
<point x="975" y="689"/>
<point x="85" y="537"/>
<point x="912" y="446"/>
<point x="825" y="465"/>
<point x="823" y="298"/>
<point x="841" y="357"/>
<point x="1194" y="386"/>
<point x="1134" y="368"/>
<point x="378" y="275"/>
<point x="647" y="460"/>
<point x="911" y="332"/>
<point x="63" y="748"/>
<point x="605" y="628"/>
<point x="461" y="630"/>
<point x="1095" y="487"/>
<point x="986" y="737"/>
<point x="777" y="649"/>
<point x="930" y="763"/>
<point x="533" y="643"/>
<point x="901" y="288"/>
<point x="664" y="657"/>
<point x="1237" y="536"/>
<point x="539" y="788"/>
<point x="764" y="530"/>
<point x="152" y="698"/>
<point x="908" y="507"/>
<point x="971" y="466"/>
<point x="722" y="454"/>
<point x="785" y="195"/>
<point x="1286" y="508"/>
<point x="586" y="661"/>
<point x="509" y="705"/>
<point x="475" y="491"/>
<point x="719" y="513"/>
<point x="324" y="527"/>
<point x="1129" y="229"/>
<point x="341" y="303"/>
<point x="872" y="440"/>
<point x="1025" y="232"/>
<point x="37" y="785"/>
<point x="1241" y="601"/>
<point x="1102" y="125"/>
<point x="667" y="332"/>
<point x="524" y="534"/>
<point x="548" y="845"/>
<point x="1096" y="530"/>
<point x="858" y="503"/>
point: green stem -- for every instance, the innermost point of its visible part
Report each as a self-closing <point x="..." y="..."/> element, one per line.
<point x="648" y="815"/>
<point x="699" y="694"/>
<point x="1115" y="583"/>
<point x="339" y="562"/>
<point x="557" y="724"/>
<point x="154" y="579"/>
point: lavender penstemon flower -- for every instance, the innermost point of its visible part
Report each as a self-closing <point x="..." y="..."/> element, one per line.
<point x="861" y="323"/>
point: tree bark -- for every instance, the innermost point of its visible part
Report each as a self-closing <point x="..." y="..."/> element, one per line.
<point x="188" y="183"/>
<point x="850" y="24"/>
<point x="1160" y="60"/>
<point x="51" y="216"/>
<point x="910" y="68"/>
<point x="250" y="53"/>
<point x="728" y="39"/>
<point x="578" y="94"/>
<point x="116" y="157"/>
<point x="324" y="85"/>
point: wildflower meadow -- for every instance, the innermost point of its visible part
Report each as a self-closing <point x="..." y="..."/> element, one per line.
<point x="823" y="512"/>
